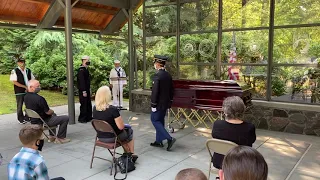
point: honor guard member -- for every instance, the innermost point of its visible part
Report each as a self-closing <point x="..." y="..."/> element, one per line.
<point x="20" y="77"/>
<point x="83" y="79"/>
<point x="117" y="80"/>
<point x="161" y="100"/>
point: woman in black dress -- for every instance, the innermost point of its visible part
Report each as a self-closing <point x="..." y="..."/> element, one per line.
<point x="103" y="111"/>
<point x="232" y="128"/>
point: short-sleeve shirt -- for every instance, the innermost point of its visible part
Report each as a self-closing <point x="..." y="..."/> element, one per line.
<point x="109" y="115"/>
<point x="14" y="77"/>
<point x="241" y="134"/>
<point x="37" y="103"/>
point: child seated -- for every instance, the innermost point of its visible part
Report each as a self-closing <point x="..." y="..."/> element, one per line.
<point x="28" y="163"/>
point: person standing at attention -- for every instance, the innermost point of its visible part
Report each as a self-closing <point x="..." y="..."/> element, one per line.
<point x="83" y="79"/>
<point x="161" y="100"/>
<point x="20" y="77"/>
<point x="117" y="81"/>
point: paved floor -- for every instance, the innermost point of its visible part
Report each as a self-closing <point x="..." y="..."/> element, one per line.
<point x="289" y="156"/>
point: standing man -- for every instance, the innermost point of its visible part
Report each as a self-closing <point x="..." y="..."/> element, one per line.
<point x="117" y="81"/>
<point x="83" y="79"/>
<point x="20" y="77"/>
<point x="161" y="100"/>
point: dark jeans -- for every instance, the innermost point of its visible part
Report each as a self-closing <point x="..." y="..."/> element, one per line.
<point x="157" y="119"/>
<point x="20" y="100"/>
<point x="85" y="108"/>
<point x="62" y="122"/>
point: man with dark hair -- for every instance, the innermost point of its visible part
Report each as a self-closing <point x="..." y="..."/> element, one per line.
<point x="28" y="163"/>
<point x="20" y="77"/>
<point x="191" y="174"/>
<point x="161" y="100"/>
<point x="83" y="79"/>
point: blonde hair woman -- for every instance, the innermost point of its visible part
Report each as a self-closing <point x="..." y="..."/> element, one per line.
<point x="103" y="111"/>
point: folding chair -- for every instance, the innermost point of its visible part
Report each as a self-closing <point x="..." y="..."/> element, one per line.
<point x="32" y="114"/>
<point x="105" y="127"/>
<point x="218" y="146"/>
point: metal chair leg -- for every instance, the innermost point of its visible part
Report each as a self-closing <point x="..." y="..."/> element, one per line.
<point x="94" y="149"/>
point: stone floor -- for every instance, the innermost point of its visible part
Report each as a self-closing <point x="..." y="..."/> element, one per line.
<point x="289" y="156"/>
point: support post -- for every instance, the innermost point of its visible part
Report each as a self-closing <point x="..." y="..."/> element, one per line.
<point x="144" y="49"/>
<point x="178" y="38"/>
<point x="130" y="52"/>
<point x="270" y="49"/>
<point x="219" y="47"/>
<point x="68" y="36"/>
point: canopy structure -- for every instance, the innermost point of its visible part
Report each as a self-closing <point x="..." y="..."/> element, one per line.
<point x="104" y="17"/>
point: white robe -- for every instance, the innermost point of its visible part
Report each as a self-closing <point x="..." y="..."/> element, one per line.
<point x="117" y="86"/>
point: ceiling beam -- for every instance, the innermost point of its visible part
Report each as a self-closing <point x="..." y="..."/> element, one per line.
<point x="52" y="15"/>
<point x="38" y="1"/>
<point x="96" y="9"/>
<point x="119" y="19"/>
<point x="18" y="19"/>
<point x="112" y="3"/>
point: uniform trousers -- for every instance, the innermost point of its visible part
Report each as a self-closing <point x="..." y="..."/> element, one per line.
<point x="157" y="119"/>
<point x="85" y="108"/>
<point x="117" y="90"/>
<point x="20" y="100"/>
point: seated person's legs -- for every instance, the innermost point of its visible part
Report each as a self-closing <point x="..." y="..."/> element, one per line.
<point x="62" y="122"/>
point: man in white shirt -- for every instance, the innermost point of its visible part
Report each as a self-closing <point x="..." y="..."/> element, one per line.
<point x="20" y="77"/>
<point x="117" y="81"/>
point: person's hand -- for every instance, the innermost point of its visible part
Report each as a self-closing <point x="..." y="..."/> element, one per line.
<point x="153" y="109"/>
<point x="84" y="94"/>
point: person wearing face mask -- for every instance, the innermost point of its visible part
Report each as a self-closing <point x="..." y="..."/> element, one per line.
<point x="28" y="163"/>
<point x="20" y="77"/>
<point x="117" y="80"/>
<point x="39" y="104"/>
<point x="161" y="100"/>
<point x="83" y="80"/>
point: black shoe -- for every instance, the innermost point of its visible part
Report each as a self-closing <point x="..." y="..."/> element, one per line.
<point x="134" y="158"/>
<point x="83" y="122"/>
<point x="156" y="144"/>
<point x="22" y="122"/>
<point x="170" y="143"/>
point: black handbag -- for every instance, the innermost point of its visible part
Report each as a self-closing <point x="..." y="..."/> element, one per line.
<point x="125" y="165"/>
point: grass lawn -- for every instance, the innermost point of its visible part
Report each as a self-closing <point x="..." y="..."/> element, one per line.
<point x="8" y="99"/>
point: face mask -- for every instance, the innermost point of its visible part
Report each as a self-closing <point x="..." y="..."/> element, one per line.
<point x="40" y="145"/>
<point x="37" y="90"/>
<point x="88" y="63"/>
<point x="155" y="66"/>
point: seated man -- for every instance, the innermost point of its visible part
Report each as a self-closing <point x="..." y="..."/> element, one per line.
<point x="38" y="104"/>
<point x="28" y="163"/>
<point x="191" y="174"/>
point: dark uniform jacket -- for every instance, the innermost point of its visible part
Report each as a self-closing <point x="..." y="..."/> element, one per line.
<point x="162" y="90"/>
<point x="83" y="80"/>
<point x="20" y="79"/>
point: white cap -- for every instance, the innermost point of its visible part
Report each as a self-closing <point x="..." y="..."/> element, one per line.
<point x="116" y="61"/>
<point x="86" y="57"/>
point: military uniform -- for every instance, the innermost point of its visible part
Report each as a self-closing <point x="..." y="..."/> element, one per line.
<point x="22" y="77"/>
<point x="161" y="100"/>
<point x="83" y="79"/>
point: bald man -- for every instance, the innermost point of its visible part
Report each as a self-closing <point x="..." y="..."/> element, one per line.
<point x="191" y="174"/>
<point x="38" y="104"/>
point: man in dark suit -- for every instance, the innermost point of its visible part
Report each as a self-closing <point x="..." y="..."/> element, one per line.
<point x="83" y="79"/>
<point x="161" y="100"/>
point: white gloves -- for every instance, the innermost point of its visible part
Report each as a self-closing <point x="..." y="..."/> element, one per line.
<point x="153" y="109"/>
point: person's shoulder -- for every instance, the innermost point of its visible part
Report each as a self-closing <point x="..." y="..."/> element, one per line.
<point x="249" y="125"/>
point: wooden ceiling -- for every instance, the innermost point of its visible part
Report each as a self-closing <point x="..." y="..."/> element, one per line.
<point x="105" y="16"/>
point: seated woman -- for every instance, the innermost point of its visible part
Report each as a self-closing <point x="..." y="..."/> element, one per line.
<point x="103" y="111"/>
<point x="243" y="162"/>
<point x="232" y="128"/>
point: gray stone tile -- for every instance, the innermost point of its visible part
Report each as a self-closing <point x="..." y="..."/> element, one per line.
<point x="3" y="172"/>
<point x="77" y="148"/>
<point x="55" y="158"/>
<point x="75" y="169"/>
<point x="105" y="175"/>
<point x="302" y="175"/>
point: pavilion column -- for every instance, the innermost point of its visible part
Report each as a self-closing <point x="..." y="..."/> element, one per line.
<point x="68" y="36"/>
<point x="130" y="52"/>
